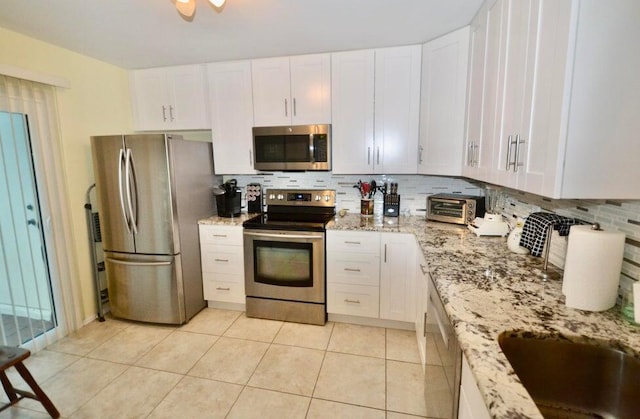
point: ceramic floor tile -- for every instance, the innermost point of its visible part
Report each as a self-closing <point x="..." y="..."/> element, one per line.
<point x="358" y="340"/>
<point x="130" y="344"/>
<point x="75" y="385"/>
<point x="405" y="388"/>
<point x="254" y="329"/>
<point x="230" y="360"/>
<point x="134" y="394"/>
<point x="178" y="352"/>
<point x="321" y="409"/>
<point x="211" y="321"/>
<point x="89" y="337"/>
<point x="265" y="404"/>
<point x="402" y="346"/>
<point x="289" y="369"/>
<point x="15" y="412"/>
<point x="396" y="415"/>
<point x="198" y="398"/>
<point x="352" y="379"/>
<point x="304" y="335"/>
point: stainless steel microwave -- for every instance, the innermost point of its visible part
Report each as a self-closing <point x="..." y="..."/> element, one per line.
<point x="456" y="209"/>
<point x="299" y="147"/>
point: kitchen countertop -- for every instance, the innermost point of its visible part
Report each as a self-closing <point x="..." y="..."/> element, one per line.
<point x="227" y="221"/>
<point x="488" y="290"/>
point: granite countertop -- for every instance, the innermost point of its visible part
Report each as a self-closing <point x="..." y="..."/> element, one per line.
<point x="227" y="221"/>
<point x="488" y="290"/>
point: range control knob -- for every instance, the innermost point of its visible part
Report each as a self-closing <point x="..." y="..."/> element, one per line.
<point x="272" y="196"/>
<point x="317" y="197"/>
<point x="327" y="198"/>
<point x="280" y="197"/>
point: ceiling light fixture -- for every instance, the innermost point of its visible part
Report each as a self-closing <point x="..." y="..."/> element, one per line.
<point x="188" y="7"/>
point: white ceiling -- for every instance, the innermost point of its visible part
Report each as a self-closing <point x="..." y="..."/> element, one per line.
<point x="150" y="33"/>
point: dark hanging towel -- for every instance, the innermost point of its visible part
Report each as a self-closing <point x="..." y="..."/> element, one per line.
<point x="534" y="232"/>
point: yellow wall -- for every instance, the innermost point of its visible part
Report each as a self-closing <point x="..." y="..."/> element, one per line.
<point x="97" y="103"/>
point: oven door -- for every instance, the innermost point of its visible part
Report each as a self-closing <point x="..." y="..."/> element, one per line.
<point x="285" y="265"/>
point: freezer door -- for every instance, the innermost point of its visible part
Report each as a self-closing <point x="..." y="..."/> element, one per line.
<point x="145" y="288"/>
<point x="109" y="167"/>
<point x="149" y="184"/>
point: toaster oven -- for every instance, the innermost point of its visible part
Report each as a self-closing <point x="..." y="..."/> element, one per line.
<point x="453" y="208"/>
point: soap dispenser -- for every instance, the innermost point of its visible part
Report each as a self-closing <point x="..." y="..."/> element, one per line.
<point x="513" y="241"/>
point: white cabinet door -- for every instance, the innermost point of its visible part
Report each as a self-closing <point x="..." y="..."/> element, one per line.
<point x="311" y="89"/>
<point x="475" y="94"/>
<point x="442" y="107"/>
<point x="222" y="255"/>
<point x="292" y="90"/>
<point x="230" y="100"/>
<point x="397" y="277"/>
<point x="422" y="299"/>
<point x="169" y="98"/>
<point x="271" y="91"/>
<point x="471" y="404"/>
<point x="397" y="109"/>
<point x="352" y="88"/>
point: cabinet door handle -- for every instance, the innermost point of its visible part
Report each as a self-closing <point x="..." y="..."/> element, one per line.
<point x="164" y="113"/>
<point x="223" y="289"/>
<point x="352" y="270"/>
<point x="420" y="149"/>
<point x="221" y="260"/>
<point x="250" y="157"/>
<point x="385" y="253"/>
<point x="294" y="107"/>
<point x="378" y="155"/>
<point x="171" y="113"/>
<point x="509" y="142"/>
<point x="286" y="109"/>
<point x="368" y="155"/>
<point x="424" y="325"/>
<point x="346" y="300"/>
<point x="516" y="161"/>
<point x="350" y="242"/>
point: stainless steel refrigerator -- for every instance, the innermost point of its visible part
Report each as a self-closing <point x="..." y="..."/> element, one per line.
<point x="152" y="189"/>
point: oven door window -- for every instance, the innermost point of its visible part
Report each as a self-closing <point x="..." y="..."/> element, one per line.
<point x="285" y="264"/>
<point x="447" y="209"/>
<point x="282" y="148"/>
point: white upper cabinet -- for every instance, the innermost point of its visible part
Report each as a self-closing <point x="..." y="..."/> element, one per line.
<point x="378" y="136"/>
<point x="352" y="83"/>
<point x="558" y="93"/>
<point x="230" y="100"/>
<point x="442" y="104"/>
<point x="292" y="90"/>
<point x="172" y="98"/>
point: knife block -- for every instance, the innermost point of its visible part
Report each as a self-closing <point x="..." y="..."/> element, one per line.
<point x="391" y="206"/>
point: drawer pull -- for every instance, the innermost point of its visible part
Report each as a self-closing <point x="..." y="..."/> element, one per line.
<point x="223" y="289"/>
<point x="219" y="235"/>
<point x="350" y="242"/>
<point x="346" y="300"/>
<point x="352" y="270"/>
<point x="221" y="260"/>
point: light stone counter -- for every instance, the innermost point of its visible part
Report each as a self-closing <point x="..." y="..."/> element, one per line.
<point x="488" y="290"/>
<point x="227" y="221"/>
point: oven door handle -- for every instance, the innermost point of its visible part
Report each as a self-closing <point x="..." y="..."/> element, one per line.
<point x="285" y="236"/>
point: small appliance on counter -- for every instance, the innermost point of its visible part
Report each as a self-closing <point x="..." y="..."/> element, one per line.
<point x="454" y="208"/>
<point x="228" y="199"/>
<point x="254" y="198"/>
<point x="391" y="201"/>
<point x="492" y="223"/>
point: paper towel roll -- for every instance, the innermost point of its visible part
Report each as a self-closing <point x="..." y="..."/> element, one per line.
<point x="592" y="268"/>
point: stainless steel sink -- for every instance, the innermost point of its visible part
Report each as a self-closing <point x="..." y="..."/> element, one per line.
<point x="575" y="380"/>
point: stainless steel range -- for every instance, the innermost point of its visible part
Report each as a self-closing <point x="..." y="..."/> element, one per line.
<point x="284" y="255"/>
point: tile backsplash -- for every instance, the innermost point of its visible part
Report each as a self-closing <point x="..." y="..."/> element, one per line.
<point x="610" y="214"/>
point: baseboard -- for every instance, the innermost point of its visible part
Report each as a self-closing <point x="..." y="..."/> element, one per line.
<point x="22" y="311"/>
<point x="226" y="306"/>
<point x="368" y="321"/>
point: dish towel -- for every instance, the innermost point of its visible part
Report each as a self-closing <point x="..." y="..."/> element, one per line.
<point x="534" y="232"/>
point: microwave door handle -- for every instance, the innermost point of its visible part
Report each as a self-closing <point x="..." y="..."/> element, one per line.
<point x="125" y="216"/>
<point x="312" y="149"/>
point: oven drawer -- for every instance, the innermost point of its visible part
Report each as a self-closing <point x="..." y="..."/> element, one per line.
<point x="353" y="300"/>
<point x="222" y="259"/>
<point x="226" y="288"/>
<point x="353" y="268"/>
<point x="221" y="235"/>
<point x="349" y="241"/>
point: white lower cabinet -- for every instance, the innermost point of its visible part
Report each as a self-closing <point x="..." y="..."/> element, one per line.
<point x="471" y="404"/>
<point x="370" y="274"/>
<point x="222" y="255"/>
<point x="422" y="299"/>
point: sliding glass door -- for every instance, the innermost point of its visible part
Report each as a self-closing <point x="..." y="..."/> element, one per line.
<point x="26" y="303"/>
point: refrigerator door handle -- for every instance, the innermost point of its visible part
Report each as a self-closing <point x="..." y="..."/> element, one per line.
<point x="128" y="263"/>
<point x="120" y="187"/>
<point x="128" y="172"/>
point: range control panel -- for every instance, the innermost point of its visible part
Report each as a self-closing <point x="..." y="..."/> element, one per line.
<point x="301" y="197"/>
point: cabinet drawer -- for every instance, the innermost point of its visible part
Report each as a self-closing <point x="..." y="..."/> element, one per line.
<point x="223" y="290"/>
<point x="226" y="235"/>
<point x="353" y="300"/>
<point x="222" y="259"/>
<point x="353" y="268"/>
<point x="358" y="242"/>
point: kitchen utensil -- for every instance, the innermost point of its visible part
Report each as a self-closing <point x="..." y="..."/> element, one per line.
<point x="372" y="192"/>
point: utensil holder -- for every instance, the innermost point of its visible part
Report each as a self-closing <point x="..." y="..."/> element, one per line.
<point x="366" y="207"/>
